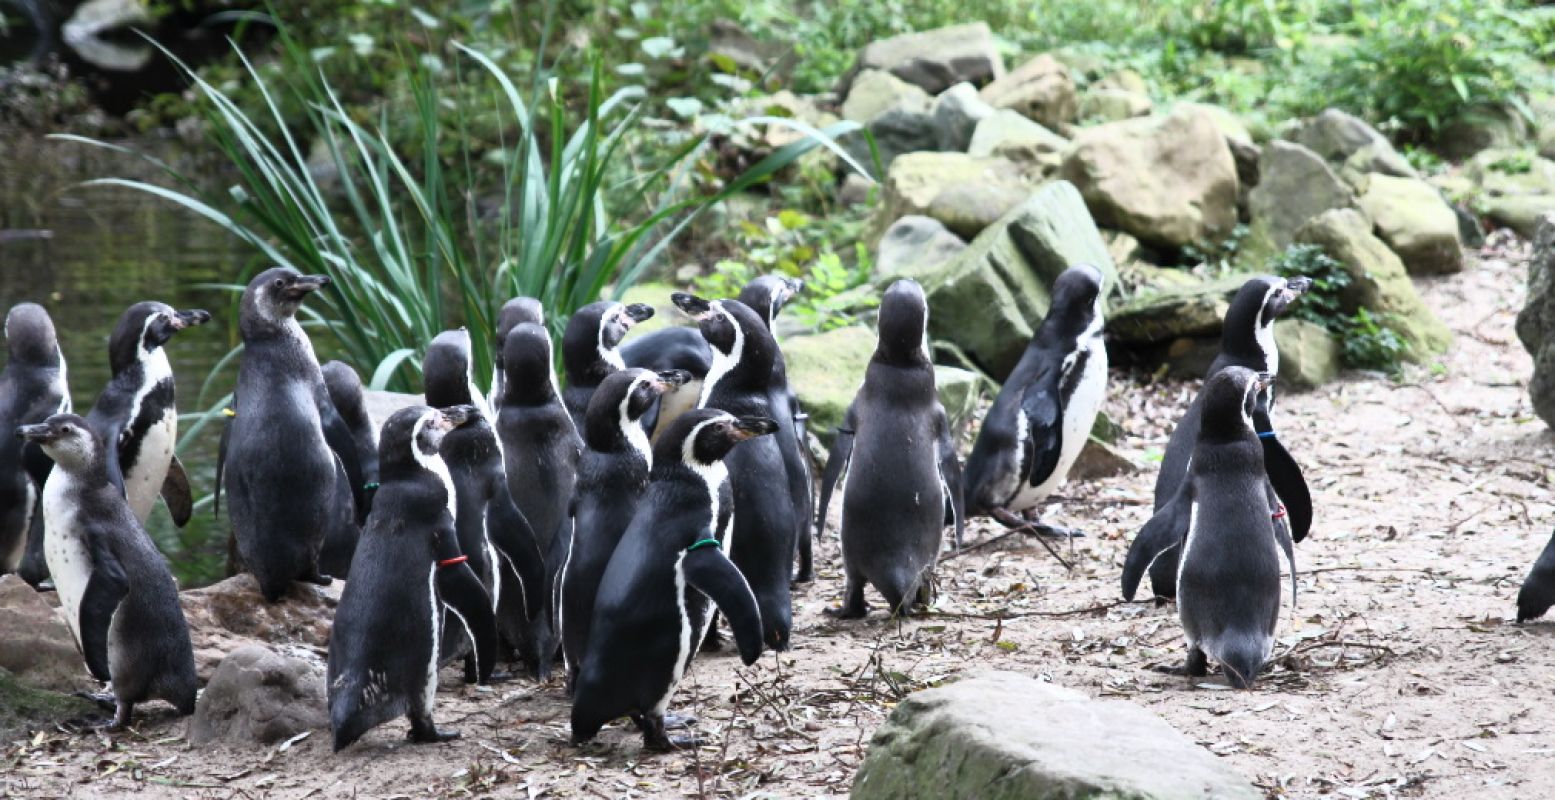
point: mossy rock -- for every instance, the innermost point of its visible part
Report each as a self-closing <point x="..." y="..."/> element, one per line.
<point x="1309" y="354"/>
<point x="826" y="370"/>
<point x="23" y="708"/>
<point x="1174" y="312"/>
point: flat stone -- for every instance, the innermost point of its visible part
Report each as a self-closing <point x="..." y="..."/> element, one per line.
<point x="260" y="697"/>
<point x="915" y="181"/>
<point x="1168" y="313"/>
<point x="916" y="244"/>
<point x="382" y="405"/>
<point x="1007" y="134"/>
<point x="1099" y="460"/>
<point x="874" y="92"/>
<point x="227" y="616"/>
<point x="938" y="59"/>
<point x="1108" y="104"/>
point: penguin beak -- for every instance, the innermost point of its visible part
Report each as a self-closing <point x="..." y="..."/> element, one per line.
<point x="751" y="427"/>
<point x="189" y="319"/>
<point x="459" y="416"/>
<point x="40" y="433"/>
<point x="302" y="286"/>
<point x="695" y="307"/>
<point x="1265" y="380"/>
<point x="672" y="379"/>
<point x="638" y="312"/>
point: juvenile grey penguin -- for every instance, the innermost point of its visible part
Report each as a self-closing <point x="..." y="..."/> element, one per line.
<point x="590" y="349"/>
<point x="901" y="465"/>
<point x="762" y="538"/>
<point x="513" y="313"/>
<point x="541" y="451"/>
<point x="1247" y="341"/>
<point x="32" y="388"/>
<point x="115" y="591"/>
<point x="1538" y="592"/>
<point x="612" y="478"/>
<point x="286" y="483"/>
<point x="658" y="591"/>
<point x="1043" y="414"/>
<point x="1229" y="526"/>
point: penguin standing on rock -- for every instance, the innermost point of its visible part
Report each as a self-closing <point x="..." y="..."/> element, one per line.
<point x="658" y="591"/>
<point x="590" y="349"/>
<point x="32" y="388"/>
<point x="904" y="471"/>
<point x="763" y="535"/>
<point x="117" y="595"/>
<point x="1043" y="415"/>
<point x="611" y="480"/>
<point x="408" y="577"/>
<point x="512" y="314"/>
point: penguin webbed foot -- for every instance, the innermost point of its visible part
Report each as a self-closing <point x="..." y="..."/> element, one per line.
<point x="319" y="579"/>
<point x="425" y="732"/>
<point x="805" y="573"/>
<point x="104" y="700"/>
<point x="656" y="740"/>
<point x="1196" y="666"/>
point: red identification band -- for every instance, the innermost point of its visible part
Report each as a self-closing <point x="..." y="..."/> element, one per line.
<point x="1280" y="513"/>
<point x="453" y="561"/>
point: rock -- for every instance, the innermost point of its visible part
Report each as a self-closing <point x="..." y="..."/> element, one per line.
<point x="1105" y="430"/>
<point x="1107" y="104"/>
<point x="1336" y="136"/>
<point x="24" y="707"/>
<point x="1309" y="354"/>
<point x="1169" y="313"/>
<point x="1125" y="80"/>
<point x="1294" y="185"/>
<point x="989" y="299"/>
<point x="259" y="696"/>
<point x="1007" y="134"/>
<point x="1189" y="358"/>
<point x="1170" y="181"/>
<point x="1101" y="460"/>
<point x="1379" y="158"/>
<point x="382" y="405"/>
<point x="728" y="44"/>
<point x="826" y="369"/>
<point x="1041" y="89"/>
<point x="1411" y="216"/>
<point x="1378" y="280"/>
<point x="1519" y="212"/>
<point x="229" y="615"/>
<point x="957" y="112"/>
<point x="967" y="209"/>
<point x="1513" y="186"/>
<point x="959" y="390"/>
<point x="36" y="647"/>
<point x="916" y="180"/>
<point x="875" y="92"/>
<point x="1536" y="321"/>
<point x="1229" y="124"/>
<point x="938" y="59"/>
<point x="916" y="244"/>
<point x="897" y="132"/>
<point x="1481" y="129"/>
<point x="855" y="189"/>
<point x="1000" y="736"/>
<point x="1546" y="141"/>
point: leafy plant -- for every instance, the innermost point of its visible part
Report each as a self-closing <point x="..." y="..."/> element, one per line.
<point x="1321" y="304"/>
<point x="1371" y="345"/>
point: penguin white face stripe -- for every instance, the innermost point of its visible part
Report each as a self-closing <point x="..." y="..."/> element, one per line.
<point x="1263" y="333"/>
<point x="634" y="433"/>
<point x="713" y="475"/>
<point x="61" y="384"/>
<point x="610" y="355"/>
<point x="722" y="362"/>
<point x="432" y="462"/>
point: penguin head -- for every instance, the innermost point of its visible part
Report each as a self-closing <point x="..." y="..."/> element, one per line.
<point x="616" y="408"/>
<point x="592" y="336"/>
<point x="66" y="438"/>
<point x="734" y="332"/>
<point x="145" y="327"/>
<point x="768" y="294"/>
<point x="1250" y="318"/>
<point x="273" y="297"/>
<point x="447" y="369"/>
<point x="515" y="312"/>
<point x="526" y="364"/>
<point x="30" y="337"/>
<point x="411" y="438"/>
<point x="904" y="325"/>
<point x="1076" y="303"/>
<point x="1230" y="398"/>
<point x="702" y="437"/>
<point x="345" y="390"/>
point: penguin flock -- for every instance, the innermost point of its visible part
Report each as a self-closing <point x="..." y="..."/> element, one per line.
<point x="604" y="523"/>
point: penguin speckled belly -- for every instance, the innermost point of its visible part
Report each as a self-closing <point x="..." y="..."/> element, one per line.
<point x="491" y="531"/>
<point x="409" y="577"/>
<point x="115" y="591"/>
<point x="658" y="591"/>
<point x="1044" y="412"/>
<point x="541" y="449"/>
<point x="1247" y="341"/>
<point x="590" y="349"/>
<point x="32" y="388"/>
<point x="611" y="480"/>
<point x="1231" y="531"/>
<point x="901" y="463"/>
<point x="762" y="536"/>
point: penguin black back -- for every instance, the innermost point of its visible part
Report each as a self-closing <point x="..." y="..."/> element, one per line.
<point x="32" y="388"/>
<point x="513" y="313"/>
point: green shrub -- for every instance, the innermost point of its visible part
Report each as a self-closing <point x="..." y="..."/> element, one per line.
<point x="1367" y="340"/>
<point x="1369" y="344"/>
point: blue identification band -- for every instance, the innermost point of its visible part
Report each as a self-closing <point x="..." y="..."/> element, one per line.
<point x="703" y="543"/>
<point x="1266" y="434"/>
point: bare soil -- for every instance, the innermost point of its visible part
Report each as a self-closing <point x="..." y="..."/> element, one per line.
<point x="1399" y="672"/>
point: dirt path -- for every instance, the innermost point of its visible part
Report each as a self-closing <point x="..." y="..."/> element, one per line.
<point x="1402" y="676"/>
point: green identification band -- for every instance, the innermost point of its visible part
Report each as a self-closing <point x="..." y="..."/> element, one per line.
<point x="703" y="543"/>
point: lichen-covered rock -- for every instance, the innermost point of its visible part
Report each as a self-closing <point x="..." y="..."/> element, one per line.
<point x="874" y="92"/>
<point x="229" y="615"/>
<point x="957" y="111"/>
<point x="938" y="59"/>
<point x="1536" y="322"/>
<point x="1309" y="354"/>
<point x="35" y="645"/>
<point x="1109" y="104"/>
<point x="1041" y="89"/>
<point x="826" y="370"/>
<point x="1378" y="280"/>
<point x="967" y="209"/>
<point x="1170" y="181"/>
<point x="1337" y="136"/>
<point x="916" y="180"/>
<point x="260" y="696"/>
<point x="1168" y="313"/>
<point x="916" y="244"/>
<point x="1411" y="216"/>
<point x="959" y="392"/>
<point x="1001" y="736"/>
<point x="1294" y="185"/>
<point x="1513" y="186"/>
<point x="1520" y="212"/>
<point x="1007" y="134"/>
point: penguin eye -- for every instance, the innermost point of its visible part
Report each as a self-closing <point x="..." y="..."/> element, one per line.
<point x="279" y="283"/>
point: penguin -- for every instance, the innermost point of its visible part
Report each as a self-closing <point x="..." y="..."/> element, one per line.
<point x="285" y="452"/>
<point x="117" y="596"/>
<point x="1247" y="340"/>
<point x="612" y="478"/>
<point x="1043" y="415"/>
<point x="541" y="450"/>
<point x="344" y="387"/>
<point x="513" y="312"/>
<point x="590" y="349"/>
<point x="762" y="538"/>
<point x="490" y="529"/>
<point x="408" y="577"/>
<point x="901" y="462"/>
<point x="1229" y="526"/>
<point x="1538" y="592"/>
<point x="32" y="388"/>
<point x="659" y="588"/>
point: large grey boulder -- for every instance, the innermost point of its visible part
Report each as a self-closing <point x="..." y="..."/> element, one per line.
<point x="35" y="645"/>
<point x="1411" y="216"/>
<point x="1041" y="89"/>
<point x="382" y="405"/>
<point x="916" y="244"/>
<point x="999" y="735"/>
<point x="1294" y="185"/>
<point x="1514" y="187"/>
<point x="1338" y="137"/>
<point x="957" y="111"/>
<point x="259" y="696"/>
<point x="1536" y="322"/>
<point x="938" y="59"/>
<point x="965" y="193"/>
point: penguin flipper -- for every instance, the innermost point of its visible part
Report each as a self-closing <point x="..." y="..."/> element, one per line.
<point x="515" y="539"/>
<point x="221" y="464"/>
<point x="1282" y="535"/>
<point x="711" y="572"/>
<point x="34" y="568"/>
<point x="1538" y="591"/>
<point x="950" y="473"/>
<point x="177" y="494"/>
<point x="1286" y="478"/>
<point x="106" y="587"/>
<point x="462" y="593"/>
<point x="1165" y="530"/>
<point x="836" y="462"/>
<point x="1043" y="408"/>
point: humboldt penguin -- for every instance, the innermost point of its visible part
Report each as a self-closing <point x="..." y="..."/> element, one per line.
<point x="118" y="598"/>
<point x="590" y="349"/>
<point x="901" y="463"/>
<point x="659" y="588"/>
<point x="514" y="312"/>
<point x="350" y="402"/>
<point x="409" y="576"/>
<point x="32" y="388"/>
<point x="1538" y="592"/>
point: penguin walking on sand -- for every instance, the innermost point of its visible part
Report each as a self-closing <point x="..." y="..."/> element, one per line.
<point x="762" y="537"/>
<point x="658" y="591"/>
<point x="408" y="577"/>
<point x="490" y="529"/>
<point x="901" y="462"/>
<point x="512" y="314"/>
<point x="541" y="449"/>
<point x="1043" y="414"/>
<point x="1230" y="529"/>
<point x="1538" y="592"/>
<point x="590" y="349"/>
<point x="612" y="478"/>
<point x="285" y="453"/>
<point x="117" y="595"/>
<point x="1247" y="341"/>
<point x="32" y="388"/>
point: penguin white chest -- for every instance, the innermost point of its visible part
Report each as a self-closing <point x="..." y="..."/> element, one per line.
<point x="1079" y="417"/>
<point x="65" y="548"/>
<point x="143" y="484"/>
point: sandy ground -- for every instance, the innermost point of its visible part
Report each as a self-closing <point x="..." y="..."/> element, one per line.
<point x="1401" y="673"/>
